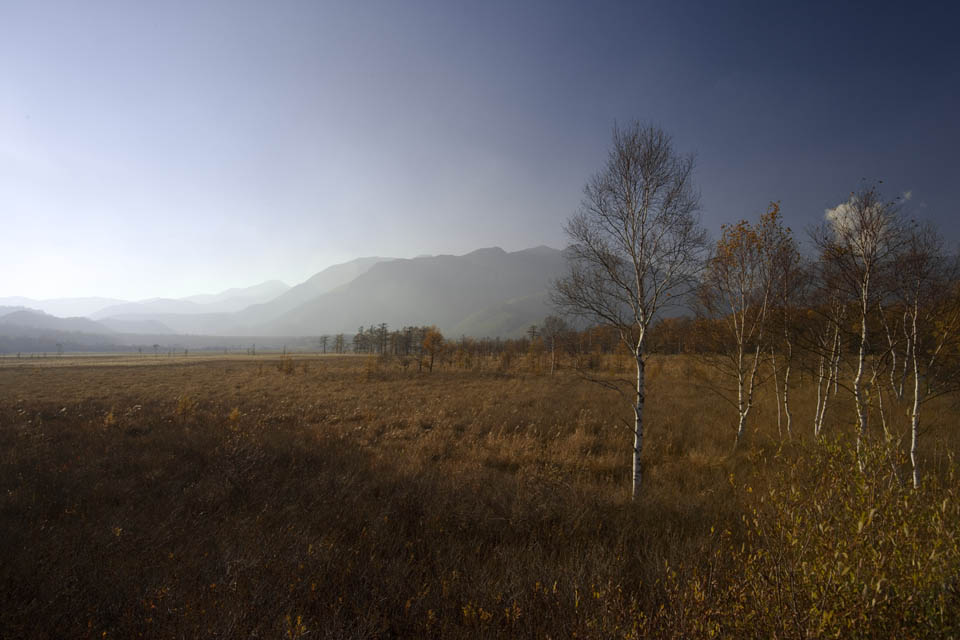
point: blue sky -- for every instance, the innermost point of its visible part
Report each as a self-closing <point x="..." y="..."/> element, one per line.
<point x="167" y="149"/>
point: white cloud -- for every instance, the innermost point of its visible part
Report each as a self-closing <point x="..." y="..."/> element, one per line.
<point x="841" y="217"/>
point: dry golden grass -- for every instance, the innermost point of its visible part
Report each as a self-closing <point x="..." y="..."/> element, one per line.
<point x="343" y="497"/>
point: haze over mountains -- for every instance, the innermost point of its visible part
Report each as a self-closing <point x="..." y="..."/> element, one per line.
<point x="223" y="302"/>
<point x="488" y="292"/>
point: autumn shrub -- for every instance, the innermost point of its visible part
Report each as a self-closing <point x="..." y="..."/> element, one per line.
<point x="829" y="551"/>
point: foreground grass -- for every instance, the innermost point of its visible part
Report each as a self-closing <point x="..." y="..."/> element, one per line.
<point x="341" y="499"/>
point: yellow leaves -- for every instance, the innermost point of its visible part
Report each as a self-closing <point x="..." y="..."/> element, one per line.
<point x="473" y="616"/>
<point x="295" y="628"/>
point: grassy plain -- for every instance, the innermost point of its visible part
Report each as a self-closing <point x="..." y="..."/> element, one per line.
<point x="342" y="497"/>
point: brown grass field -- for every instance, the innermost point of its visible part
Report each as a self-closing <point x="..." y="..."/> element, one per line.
<point x="344" y="497"/>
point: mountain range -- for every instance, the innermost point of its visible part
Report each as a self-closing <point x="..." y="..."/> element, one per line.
<point x="488" y="292"/>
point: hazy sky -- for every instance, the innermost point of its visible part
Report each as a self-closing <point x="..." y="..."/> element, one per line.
<point x="165" y="149"/>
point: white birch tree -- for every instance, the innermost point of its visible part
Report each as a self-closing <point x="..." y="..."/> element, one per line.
<point x="926" y="281"/>
<point x="637" y="245"/>
<point x="737" y="288"/>
<point x="791" y="281"/>
<point x="858" y="243"/>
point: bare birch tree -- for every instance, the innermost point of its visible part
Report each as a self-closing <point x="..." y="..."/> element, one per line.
<point x="736" y="292"/>
<point x="553" y="331"/>
<point x="858" y="242"/>
<point x="637" y="245"/>
<point x="790" y="286"/>
<point x="925" y="284"/>
<point x="825" y="343"/>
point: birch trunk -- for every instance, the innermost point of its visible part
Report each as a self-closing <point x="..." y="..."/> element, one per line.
<point x="638" y="422"/>
<point x="746" y="403"/>
<point x="786" y="395"/>
<point x="776" y="390"/>
<point x="827" y="371"/>
<point x="858" y="378"/>
<point x="915" y="409"/>
<point x="821" y="399"/>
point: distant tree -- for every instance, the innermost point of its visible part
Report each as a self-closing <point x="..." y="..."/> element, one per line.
<point x="323" y="343"/>
<point x="554" y="329"/>
<point x="637" y="245"/>
<point x="156" y="348"/>
<point x="432" y="344"/>
<point x="382" y="334"/>
<point x="339" y="343"/>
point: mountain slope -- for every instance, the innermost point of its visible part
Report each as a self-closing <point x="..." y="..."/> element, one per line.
<point x="185" y="316"/>
<point x="486" y="292"/>
<point x="318" y="284"/>
<point x="227" y="301"/>
<point x="10" y="323"/>
<point x="242" y="297"/>
<point x="62" y="307"/>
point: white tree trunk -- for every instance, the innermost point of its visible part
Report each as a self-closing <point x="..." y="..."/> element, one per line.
<point x="827" y="372"/>
<point x="914" y="433"/>
<point x="817" y="419"/>
<point x="915" y="409"/>
<point x="786" y="391"/>
<point x="745" y="395"/>
<point x="776" y="391"/>
<point x="638" y="422"/>
<point x="858" y="378"/>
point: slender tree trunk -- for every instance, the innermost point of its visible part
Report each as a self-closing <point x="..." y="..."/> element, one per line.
<point x="915" y="410"/>
<point x="745" y="395"/>
<point x="858" y="378"/>
<point x="835" y="365"/>
<point x="776" y="391"/>
<point x="821" y="398"/>
<point x="786" y="392"/>
<point x="638" y="421"/>
<point x="788" y="417"/>
<point x="828" y="371"/>
<point x="915" y="434"/>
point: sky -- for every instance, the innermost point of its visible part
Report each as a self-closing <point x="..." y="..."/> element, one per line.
<point x="174" y="148"/>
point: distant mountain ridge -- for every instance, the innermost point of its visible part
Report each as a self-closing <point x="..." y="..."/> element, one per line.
<point x="62" y="307"/>
<point x="228" y="301"/>
<point x="487" y="292"/>
<point x="31" y="319"/>
<point x="318" y="284"/>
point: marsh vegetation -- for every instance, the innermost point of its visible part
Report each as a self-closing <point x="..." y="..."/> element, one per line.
<point x="351" y="497"/>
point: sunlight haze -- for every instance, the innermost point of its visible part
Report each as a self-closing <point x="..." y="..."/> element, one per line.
<point x="170" y="149"/>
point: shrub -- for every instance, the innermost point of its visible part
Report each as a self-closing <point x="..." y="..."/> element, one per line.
<point x="830" y="551"/>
